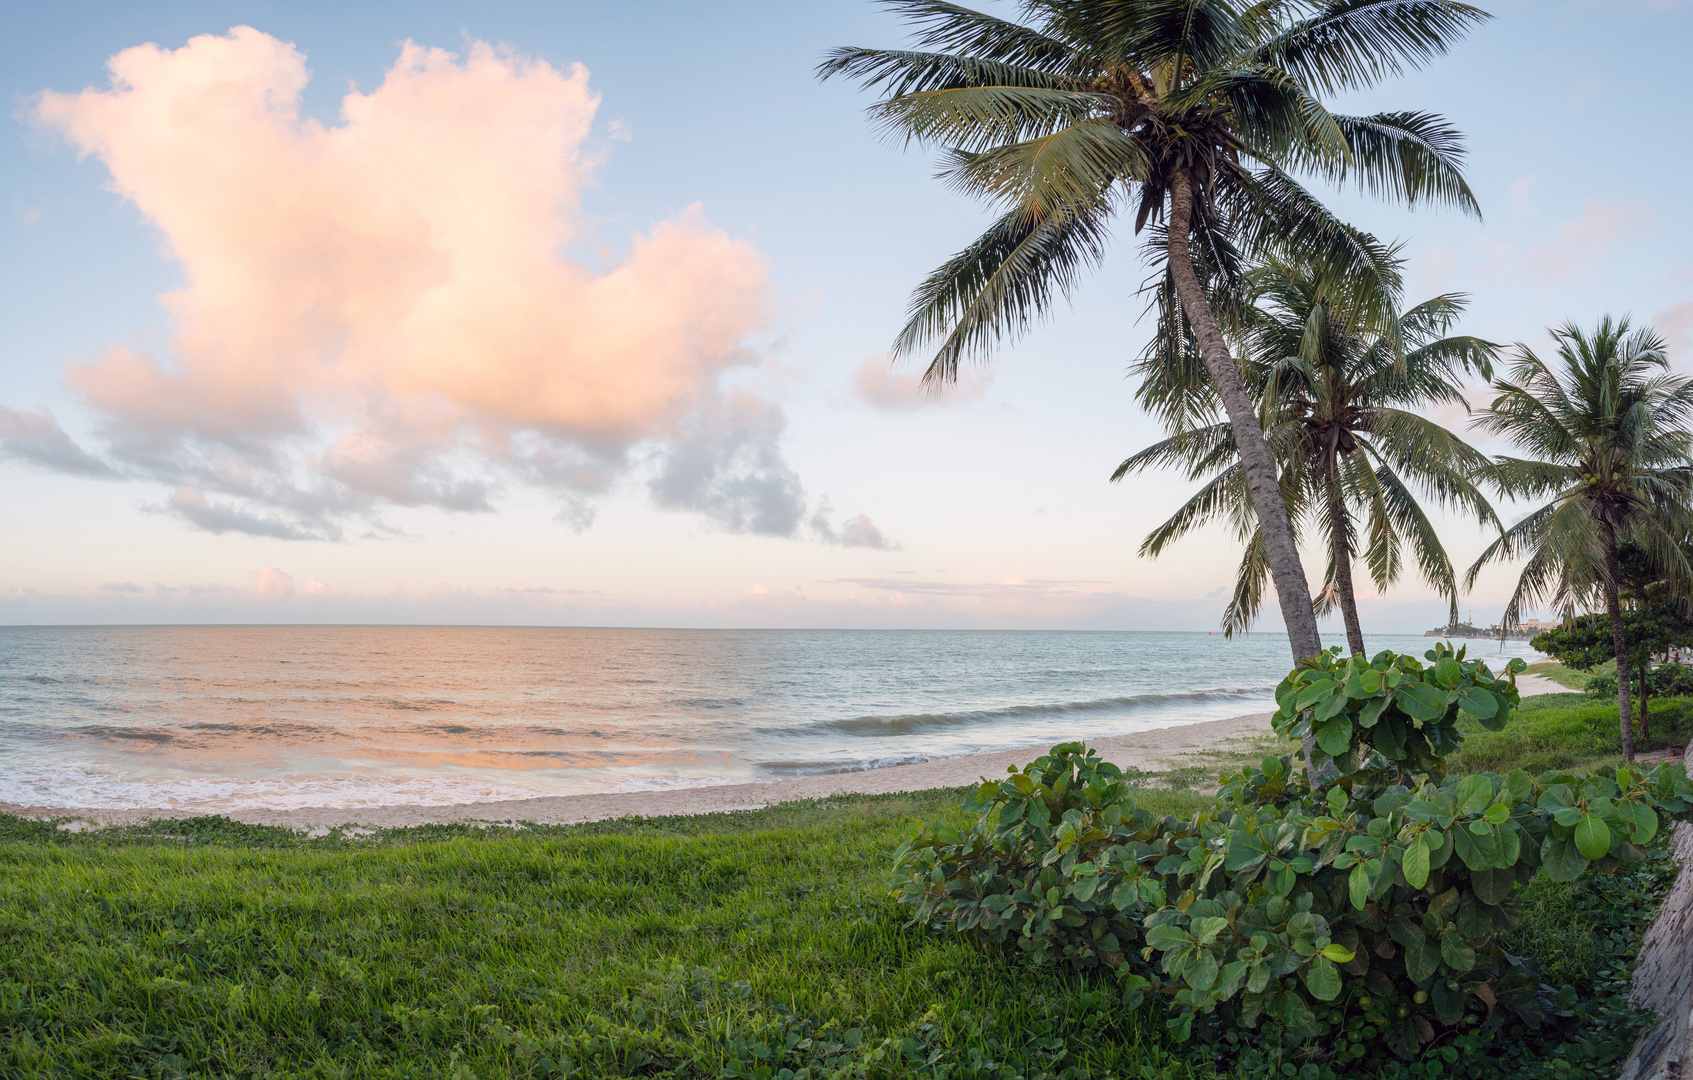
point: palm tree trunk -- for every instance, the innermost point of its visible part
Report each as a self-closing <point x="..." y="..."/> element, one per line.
<point x="1619" y="642"/>
<point x="1343" y="567"/>
<point x="1293" y="592"/>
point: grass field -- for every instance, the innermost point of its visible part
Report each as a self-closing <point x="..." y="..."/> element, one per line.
<point x="717" y="946"/>
<point x="1565" y="731"/>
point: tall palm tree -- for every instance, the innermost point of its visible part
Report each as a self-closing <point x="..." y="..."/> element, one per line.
<point x="1339" y="406"/>
<point x="1197" y="114"/>
<point x="1604" y="428"/>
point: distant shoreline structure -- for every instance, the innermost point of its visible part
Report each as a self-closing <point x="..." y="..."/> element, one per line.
<point x="1522" y="631"/>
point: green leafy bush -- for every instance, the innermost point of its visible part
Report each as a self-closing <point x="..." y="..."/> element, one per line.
<point x="1665" y="680"/>
<point x="1349" y="921"/>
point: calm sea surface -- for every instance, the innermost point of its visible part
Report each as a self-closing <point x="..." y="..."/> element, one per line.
<point x="219" y="718"/>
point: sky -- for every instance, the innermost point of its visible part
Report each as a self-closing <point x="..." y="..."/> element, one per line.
<point x="580" y="313"/>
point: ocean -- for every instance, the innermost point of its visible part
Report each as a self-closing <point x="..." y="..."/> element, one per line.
<point x="221" y="718"/>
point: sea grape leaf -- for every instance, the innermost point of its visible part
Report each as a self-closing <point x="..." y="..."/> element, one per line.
<point x="1474" y="793"/>
<point x="1556" y="797"/>
<point x="1295" y="1013"/>
<point x="1389" y="737"/>
<point x="1359" y="884"/>
<point x="1446" y="672"/>
<point x="1561" y="860"/>
<point x="1415" y="863"/>
<point x="1334" y="736"/>
<point x="1420" y="700"/>
<point x="1167" y="936"/>
<point x="1475" y="917"/>
<point x="1478" y="703"/>
<point x="1201" y="974"/>
<point x="1448" y="1001"/>
<point x="1335" y="703"/>
<point x="1422" y="960"/>
<point x="1372" y="710"/>
<point x="1593" y="837"/>
<point x="1642" y="820"/>
<point x="1458" y="953"/>
<point x="1322" y="979"/>
<point x="1516" y="789"/>
<point x="1313" y="692"/>
<point x="1336" y="800"/>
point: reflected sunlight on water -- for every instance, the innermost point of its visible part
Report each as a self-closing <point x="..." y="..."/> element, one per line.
<point x="222" y="717"/>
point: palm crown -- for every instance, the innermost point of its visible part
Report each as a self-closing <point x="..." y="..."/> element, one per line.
<point x="1339" y="406"/>
<point x="1197" y="115"/>
<point x="1603" y="431"/>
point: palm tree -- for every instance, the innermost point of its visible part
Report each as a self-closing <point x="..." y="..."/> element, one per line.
<point x="1197" y="114"/>
<point x="1339" y="406"/>
<point x="1604" y="428"/>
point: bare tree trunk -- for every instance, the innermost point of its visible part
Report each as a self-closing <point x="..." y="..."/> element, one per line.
<point x="1293" y="592"/>
<point x="1645" y="721"/>
<point x="1619" y="642"/>
<point x="1343" y="568"/>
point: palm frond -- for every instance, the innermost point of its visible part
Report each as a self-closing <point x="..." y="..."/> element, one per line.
<point x="999" y="285"/>
<point x="897" y="72"/>
<point x="1355" y="44"/>
<point x="1076" y="164"/>
<point x="1408" y="157"/>
<point x="1223" y="495"/>
<point x="1248" y="596"/>
<point x="976" y="118"/>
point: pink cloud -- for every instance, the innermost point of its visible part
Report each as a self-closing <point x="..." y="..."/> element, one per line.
<point x="1675" y="322"/>
<point x="1582" y="245"/>
<point x="878" y="384"/>
<point x="271" y="584"/>
<point x="377" y="311"/>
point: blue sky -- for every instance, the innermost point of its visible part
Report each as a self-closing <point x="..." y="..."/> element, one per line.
<point x="992" y="507"/>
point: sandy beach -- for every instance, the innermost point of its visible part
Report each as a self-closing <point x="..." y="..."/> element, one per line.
<point x="1153" y="750"/>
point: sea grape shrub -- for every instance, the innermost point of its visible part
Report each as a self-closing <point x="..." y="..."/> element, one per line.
<point x="1391" y="705"/>
<point x="1665" y="680"/>
<point x="1061" y="864"/>
<point x="1336" y="913"/>
<point x="1365" y="899"/>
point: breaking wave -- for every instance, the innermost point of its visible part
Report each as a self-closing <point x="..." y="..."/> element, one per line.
<point x="1133" y="704"/>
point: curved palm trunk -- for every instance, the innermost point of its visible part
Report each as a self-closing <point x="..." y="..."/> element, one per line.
<point x="1293" y="592"/>
<point x="1343" y="567"/>
<point x="1619" y="642"/>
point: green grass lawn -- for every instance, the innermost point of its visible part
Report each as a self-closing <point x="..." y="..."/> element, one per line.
<point x="1565" y="731"/>
<point x="708" y="946"/>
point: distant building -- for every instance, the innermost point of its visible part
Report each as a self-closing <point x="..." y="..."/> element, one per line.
<point x="1523" y="630"/>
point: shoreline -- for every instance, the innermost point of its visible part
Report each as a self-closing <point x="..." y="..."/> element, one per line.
<point x="1151" y="749"/>
<point x="1154" y="749"/>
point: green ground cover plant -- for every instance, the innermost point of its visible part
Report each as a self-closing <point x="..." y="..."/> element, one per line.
<point x="761" y="944"/>
<point x="1341" y="921"/>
